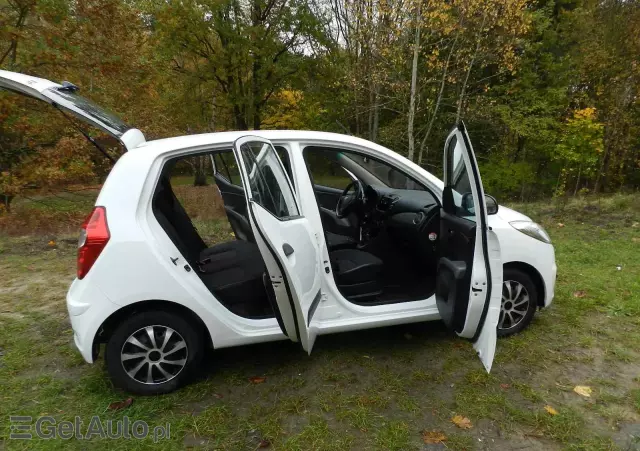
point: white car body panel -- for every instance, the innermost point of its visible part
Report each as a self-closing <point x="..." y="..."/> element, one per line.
<point x="138" y="254"/>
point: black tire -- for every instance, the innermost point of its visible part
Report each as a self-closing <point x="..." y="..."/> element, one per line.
<point x="522" y="278"/>
<point x="186" y="333"/>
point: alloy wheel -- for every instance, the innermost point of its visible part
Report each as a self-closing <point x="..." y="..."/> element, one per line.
<point x="154" y="354"/>
<point x="515" y="304"/>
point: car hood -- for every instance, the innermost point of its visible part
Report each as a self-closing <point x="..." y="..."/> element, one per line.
<point x="507" y="214"/>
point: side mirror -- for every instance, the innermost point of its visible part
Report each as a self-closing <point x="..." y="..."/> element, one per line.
<point x="492" y="204"/>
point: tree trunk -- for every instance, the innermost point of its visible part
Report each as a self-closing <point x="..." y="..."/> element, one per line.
<point x="200" y="175"/>
<point x="5" y="203"/>
<point x="524" y="183"/>
<point x="238" y="114"/>
<point x="443" y="80"/>
<point x="414" y="82"/>
<point x="575" y="190"/>
<point x="376" y="113"/>
<point x="466" y="78"/>
<point x="604" y="167"/>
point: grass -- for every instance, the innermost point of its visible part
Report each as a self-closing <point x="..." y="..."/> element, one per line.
<point x="373" y="389"/>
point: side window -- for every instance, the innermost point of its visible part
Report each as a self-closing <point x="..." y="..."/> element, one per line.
<point x="227" y="167"/>
<point x="458" y="180"/>
<point x="200" y="211"/>
<point x="268" y="182"/>
<point x="284" y="157"/>
<point x="325" y="169"/>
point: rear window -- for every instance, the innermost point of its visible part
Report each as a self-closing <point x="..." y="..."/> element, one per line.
<point x="70" y="100"/>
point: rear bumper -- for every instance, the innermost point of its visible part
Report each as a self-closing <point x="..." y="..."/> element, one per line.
<point x="88" y="309"/>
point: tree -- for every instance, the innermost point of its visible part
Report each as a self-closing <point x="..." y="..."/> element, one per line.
<point x="247" y="51"/>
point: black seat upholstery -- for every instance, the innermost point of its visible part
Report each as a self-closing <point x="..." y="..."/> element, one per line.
<point x="357" y="273"/>
<point x="336" y="241"/>
<point x="176" y="222"/>
<point x="234" y="271"/>
<point x="239" y="224"/>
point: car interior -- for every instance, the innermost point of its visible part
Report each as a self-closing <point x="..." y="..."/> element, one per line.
<point x="233" y="271"/>
<point x="380" y="227"/>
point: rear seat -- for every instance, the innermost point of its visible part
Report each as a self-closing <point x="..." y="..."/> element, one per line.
<point x="233" y="271"/>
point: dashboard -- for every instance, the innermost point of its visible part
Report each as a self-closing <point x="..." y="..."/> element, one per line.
<point x="409" y="218"/>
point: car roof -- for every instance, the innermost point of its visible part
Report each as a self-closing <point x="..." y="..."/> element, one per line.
<point x="187" y="141"/>
<point x="155" y="148"/>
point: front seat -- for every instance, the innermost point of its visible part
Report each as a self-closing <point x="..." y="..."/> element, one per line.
<point x="240" y="225"/>
<point x="336" y="241"/>
<point x="357" y="274"/>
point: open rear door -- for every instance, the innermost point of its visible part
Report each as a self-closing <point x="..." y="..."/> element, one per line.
<point x="286" y="240"/>
<point x="469" y="279"/>
<point x="65" y="98"/>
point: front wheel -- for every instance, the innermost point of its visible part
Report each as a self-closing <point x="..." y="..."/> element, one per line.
<point x="153" y="353"/>
<point x="519" y="302"/>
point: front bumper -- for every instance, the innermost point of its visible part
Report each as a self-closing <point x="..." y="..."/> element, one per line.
<point x="550" y="283"/>
<point x="88" y="309"/>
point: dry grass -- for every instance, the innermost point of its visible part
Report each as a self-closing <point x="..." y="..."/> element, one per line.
<point x="201" y="202"/>
<point x="63" y="212"/>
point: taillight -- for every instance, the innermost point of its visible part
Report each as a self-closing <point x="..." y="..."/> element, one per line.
<point x="93" y="238"/>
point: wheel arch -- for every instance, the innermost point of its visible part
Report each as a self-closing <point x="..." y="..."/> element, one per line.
<point x="109" y="325"/>
<point x="536" y="278"/>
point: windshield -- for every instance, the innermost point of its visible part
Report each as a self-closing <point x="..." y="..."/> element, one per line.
<point x="386" y="175"/>
<point x="85" y="108"/>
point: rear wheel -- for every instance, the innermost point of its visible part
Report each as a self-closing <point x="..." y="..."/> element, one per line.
<point x="519" y="302"/>
<point x="153" y="353"/>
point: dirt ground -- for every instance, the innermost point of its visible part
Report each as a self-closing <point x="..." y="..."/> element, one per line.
<point x="402" y="387"/>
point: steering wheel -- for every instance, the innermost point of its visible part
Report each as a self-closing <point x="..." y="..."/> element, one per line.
<point x="347" y="201"/>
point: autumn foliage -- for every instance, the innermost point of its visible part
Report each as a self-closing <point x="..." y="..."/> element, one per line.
<point x="549" y="90"/>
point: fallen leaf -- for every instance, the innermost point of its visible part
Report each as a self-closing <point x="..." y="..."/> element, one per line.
<point x="257" y="379"/>
<point x="264" y="443"/>
<point x="432" y="437"/>
<point x="579" y="294"/>
<point x="583" y="390"/>
<point x="560" y="224"/>
<point x="505" y="386"/>
<point x="635" y="239"/>
<point x="458" y="344"/>
<point x="118" y="405"/>
<point x="462" y="422"/>
<point x="217" y="395"/>
<point x="550" y="410"/>
<point x="232" y="234"/>
<point x="51" y="243"/>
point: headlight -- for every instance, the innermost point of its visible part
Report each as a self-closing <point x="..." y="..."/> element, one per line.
<point x="532" y="229"/>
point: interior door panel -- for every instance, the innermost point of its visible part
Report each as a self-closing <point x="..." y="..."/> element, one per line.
<point x="469" y="272"/>
<point x="457" y="244"/>
<point x="327" y="198"/>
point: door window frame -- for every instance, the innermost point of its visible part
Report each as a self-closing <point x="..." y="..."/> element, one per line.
<point x="245" y="183"/>
<point x="436" y="192"/>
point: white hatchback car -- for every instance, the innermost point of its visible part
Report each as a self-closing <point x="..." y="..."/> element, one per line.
<point x="397" y="245"/>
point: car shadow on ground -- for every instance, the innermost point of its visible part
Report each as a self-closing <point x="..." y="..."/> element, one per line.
<point x="403" y="342"/>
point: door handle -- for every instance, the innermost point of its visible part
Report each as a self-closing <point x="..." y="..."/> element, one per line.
<point x="288" y="250"/>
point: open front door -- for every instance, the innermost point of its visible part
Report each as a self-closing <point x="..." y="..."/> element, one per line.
<point x="286" y="240"/>
<point x="469" y="279"/>
<point x="65" y="98"/>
